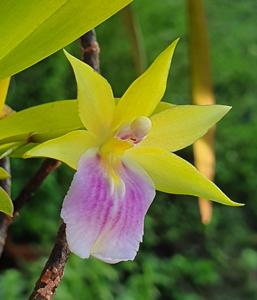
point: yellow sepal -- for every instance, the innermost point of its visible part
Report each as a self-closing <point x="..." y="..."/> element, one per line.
<point x="172" y="174"/>
<point x="3" y="174"/>
<point x="143" y="95"/>
<point x="180" y="126"/>
<point x="6" y="205"/>
<point x="95" y="97"/>
<point x="4" y="84"/>
<point x="67" y="148"/>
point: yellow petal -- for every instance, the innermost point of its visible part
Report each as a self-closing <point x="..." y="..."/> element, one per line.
<point x="143" y="95"/>
<point x="180" y="126"/>
<point x="42" y="122"/>
<point x="163" y="106"/>
<point x="67" y="148"/>
<point x="172" y="174"/>
<point x="4" y="174"/>
<point x="6" y="204"/>
<point x="96" y="101"/>
<point x="4" y="84"/>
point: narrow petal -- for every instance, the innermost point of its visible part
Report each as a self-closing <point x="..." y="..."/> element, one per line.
<point x="105" y="222"/>
<point x="8" y="149"/>
<point x="6" y="205"/>
<point x="180" y="126"/>
<point x="95" y="97"/>
<point x="67" y="148"/>
<point x="18" y="150"/>
<point x="163" y="106"/>
<point x="172" y="174"/>
<point x="143" y="95"/>
<point x="42" y="122"/>
<point x="4" y="84"/>
<point x="4" y="174"/>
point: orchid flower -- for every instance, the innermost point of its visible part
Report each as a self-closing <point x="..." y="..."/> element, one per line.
<point x="123" y="155"/>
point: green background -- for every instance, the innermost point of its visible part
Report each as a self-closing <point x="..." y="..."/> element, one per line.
<point x="180" y="258"/>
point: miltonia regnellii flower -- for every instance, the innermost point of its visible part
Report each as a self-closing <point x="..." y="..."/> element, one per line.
<point x="123" y="155"/>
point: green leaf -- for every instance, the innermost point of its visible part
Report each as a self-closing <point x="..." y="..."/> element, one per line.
<point x="41" y="122"/>
<point x="4" y="174"/>
<point x="33" y="30"/>
<point x="6" y="205"/>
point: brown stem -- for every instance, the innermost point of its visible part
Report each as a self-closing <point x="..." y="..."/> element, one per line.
<point x="48" y="166"/>
<point x="53" y="271"/>
<point x="5" y="221"/>
<point x="90" y="50"/>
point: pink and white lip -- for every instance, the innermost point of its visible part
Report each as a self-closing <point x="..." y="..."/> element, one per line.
<point x="101" y="220"/>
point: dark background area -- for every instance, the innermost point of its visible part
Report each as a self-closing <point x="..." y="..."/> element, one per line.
<point x="180" y="258"/>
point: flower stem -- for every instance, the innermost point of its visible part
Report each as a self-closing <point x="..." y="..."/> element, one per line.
<point x="53" y="271"/>
<point x="48" y="166"/>
<point x="90" y="50"/>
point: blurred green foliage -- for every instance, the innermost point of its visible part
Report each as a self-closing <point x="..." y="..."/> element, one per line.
<point x="180" y="258"/>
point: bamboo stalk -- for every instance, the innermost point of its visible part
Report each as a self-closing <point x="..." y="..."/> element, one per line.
<point x="136" y="40"/>
<point x="202" y="93"/>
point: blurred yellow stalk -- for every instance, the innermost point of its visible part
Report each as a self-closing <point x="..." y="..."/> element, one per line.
<point x="134" y="33"/>
<point x="202" y="93"/>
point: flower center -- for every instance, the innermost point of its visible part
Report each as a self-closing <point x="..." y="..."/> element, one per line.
<point x="127" y="136"/>
<point x="136" y="131"/>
